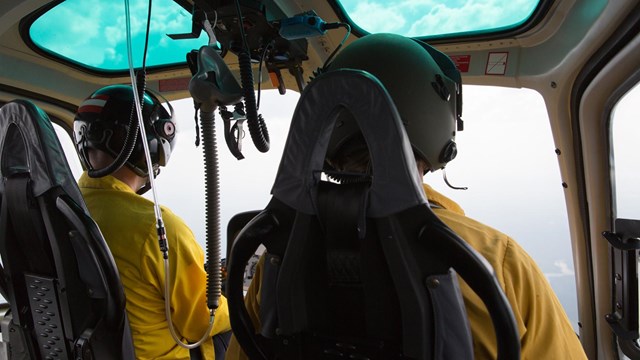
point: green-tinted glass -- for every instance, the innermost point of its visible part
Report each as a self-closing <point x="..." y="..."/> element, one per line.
<point x="92" y="33"/>
<point x="437" y="18"/>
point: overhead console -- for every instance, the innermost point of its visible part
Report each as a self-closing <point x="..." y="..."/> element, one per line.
<point x="251" y="27"/>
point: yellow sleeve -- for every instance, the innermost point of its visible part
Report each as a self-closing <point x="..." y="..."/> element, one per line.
<point x="547" y="333"/>
<point x="252" y="302"/>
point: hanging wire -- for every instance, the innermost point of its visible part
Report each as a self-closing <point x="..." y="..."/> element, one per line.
<point x="335" y="51"/>
<point x="138" y="109"/>
<point x="158" y="213"/>
<point x="208" y="28"/>
<point x="241" y="25"/>
<point x="146" y="40"/>
<point x="264" y="54"/>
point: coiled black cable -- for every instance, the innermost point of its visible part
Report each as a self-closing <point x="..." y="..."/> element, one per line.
<point x="212" y="208"/>
<point x="255" y="122"/>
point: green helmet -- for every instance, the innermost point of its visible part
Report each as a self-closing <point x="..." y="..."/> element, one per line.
<point x="424" y="84"/>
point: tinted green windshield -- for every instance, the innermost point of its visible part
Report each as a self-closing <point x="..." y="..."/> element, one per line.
<point x="435" y="18"/>
<point x="92" y="33"/>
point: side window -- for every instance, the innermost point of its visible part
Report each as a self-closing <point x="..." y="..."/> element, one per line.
<point x="69" y="150"/>
<point x="626" y="155"/>
<point x="506" y="159"/>
<point x="514" y="181"/>
<point x="626" y="215"/>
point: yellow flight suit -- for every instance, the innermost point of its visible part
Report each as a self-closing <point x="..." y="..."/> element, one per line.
<point x="545" y="330"/>
<point x="128" y="224"/>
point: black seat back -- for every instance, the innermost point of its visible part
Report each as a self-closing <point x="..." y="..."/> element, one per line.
<point x="58" y="274"/>
<point x="362" y="270"/>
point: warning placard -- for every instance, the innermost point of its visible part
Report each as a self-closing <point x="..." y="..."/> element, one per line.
<point x="462" y="62"/>
<point x="497" y="63"/>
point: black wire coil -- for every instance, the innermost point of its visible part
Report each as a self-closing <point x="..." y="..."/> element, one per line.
<point x="212" y="208"/>
<point x="255" y="122"/>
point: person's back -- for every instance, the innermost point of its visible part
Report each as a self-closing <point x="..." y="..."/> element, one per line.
<point x="128" y="223"/>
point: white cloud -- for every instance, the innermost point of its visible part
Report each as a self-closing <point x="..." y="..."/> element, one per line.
<point x="382" y="18"/>
<point x="435" y="17"/>
<point x="441" y="19"/>
<point x="94" y="33"/>
<point x="563" y="269"/>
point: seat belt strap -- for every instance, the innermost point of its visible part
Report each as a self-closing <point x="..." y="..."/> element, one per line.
<point x="21" y="209"/>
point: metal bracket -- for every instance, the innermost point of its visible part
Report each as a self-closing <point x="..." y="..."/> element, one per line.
<point x="627" y="235"/>
<point x="234" y="132"/>
<point x="623" y="321"/>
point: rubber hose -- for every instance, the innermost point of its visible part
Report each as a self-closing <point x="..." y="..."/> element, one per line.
<point x="212" y="208"/>
<point x="255" y="122"/>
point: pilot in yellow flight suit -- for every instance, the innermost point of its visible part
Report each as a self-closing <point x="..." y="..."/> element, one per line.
<point x="407" y="70"/>
<point x="127" y="221"/>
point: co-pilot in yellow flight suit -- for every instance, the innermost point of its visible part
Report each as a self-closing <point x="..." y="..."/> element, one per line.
<point x="127" y="222"/>
<point x="545" y="330"/>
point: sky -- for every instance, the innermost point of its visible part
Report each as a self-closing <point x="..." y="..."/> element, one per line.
<point x="436" y="17"/>
<point x="97" y="35"/>
<point x="626" y="148"/>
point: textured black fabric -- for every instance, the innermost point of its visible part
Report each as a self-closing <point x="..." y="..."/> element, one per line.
<point x="48" y="240"/>
<point x="396" y="185"/>
<point x="40" y="152"/>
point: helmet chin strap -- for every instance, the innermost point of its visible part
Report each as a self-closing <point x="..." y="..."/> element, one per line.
<point x="146" y="187"/>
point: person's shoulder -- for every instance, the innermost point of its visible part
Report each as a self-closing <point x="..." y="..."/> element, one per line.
<point x="477" y="234"/>
<point x="491" y="243"/>
<point x="175" y="224"/>
<point x="171" y="218"/>
<point x="462" y="224"/>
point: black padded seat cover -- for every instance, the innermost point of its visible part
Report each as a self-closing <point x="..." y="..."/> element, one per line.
<point x="396" y="186"/>
<point x="41" y="151"/>
<point x="63" y="285"/>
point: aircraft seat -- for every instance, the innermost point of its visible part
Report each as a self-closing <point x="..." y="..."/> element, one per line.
<point x="57" y="274"/>
<point x="358" y="269"/>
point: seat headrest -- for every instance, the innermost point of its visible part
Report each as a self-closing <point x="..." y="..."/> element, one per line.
<point x="395" y="183"/>
<point x="28" y="143"/>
